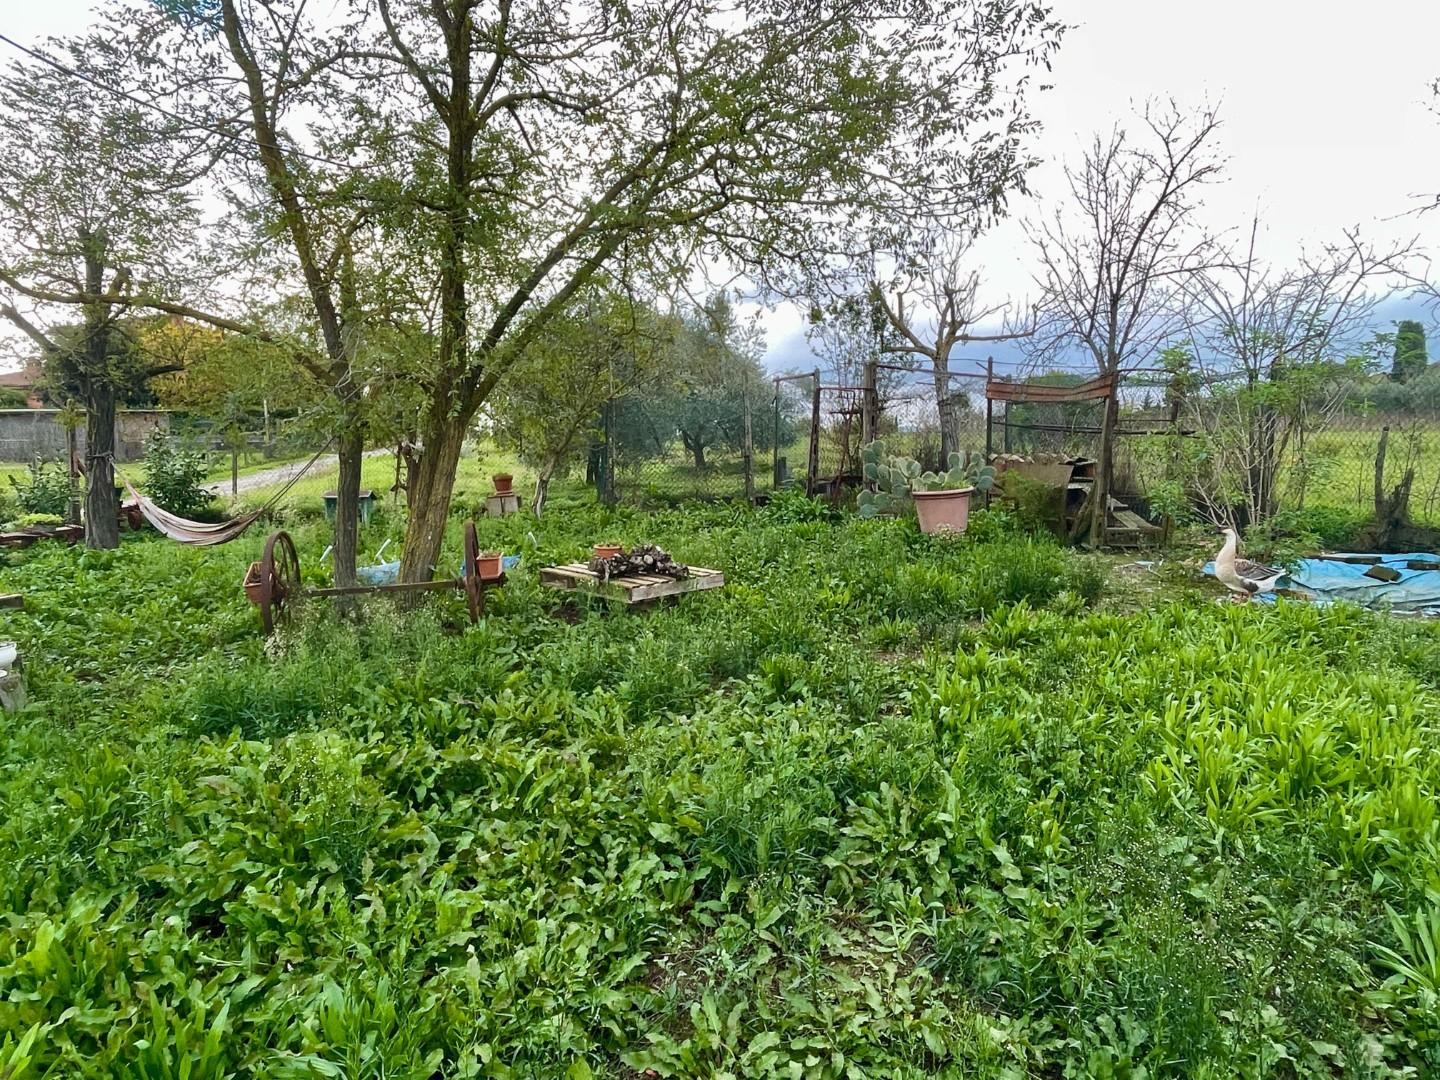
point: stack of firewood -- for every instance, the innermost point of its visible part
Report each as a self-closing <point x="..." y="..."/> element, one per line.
<point x="645" y="559"/>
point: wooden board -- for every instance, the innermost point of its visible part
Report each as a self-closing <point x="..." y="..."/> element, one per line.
<point x="1006" y="390"/>
<point x="12" y="600"/>
<point x="632" y="588"/>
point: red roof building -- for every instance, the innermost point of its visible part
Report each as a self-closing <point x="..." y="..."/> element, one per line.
<point x="27" y="381"/>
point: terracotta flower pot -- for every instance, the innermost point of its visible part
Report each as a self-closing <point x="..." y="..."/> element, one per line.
<point x="503" y="482"/>
<point x="489" y="563"/>
<point x="252" y="583"/>
<point x="606" y="551"/>
<point x="943" y="511"/>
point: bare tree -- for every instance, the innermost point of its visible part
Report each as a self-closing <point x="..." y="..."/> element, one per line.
<point x="1276" y="350"/>
<point x="933" y="305"/>
<point x="1113" y="260"/>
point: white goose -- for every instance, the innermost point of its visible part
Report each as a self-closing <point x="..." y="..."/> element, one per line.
<point x="1241" y="576"/>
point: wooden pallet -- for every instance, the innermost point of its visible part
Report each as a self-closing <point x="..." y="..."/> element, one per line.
<point x="632" y="588"/>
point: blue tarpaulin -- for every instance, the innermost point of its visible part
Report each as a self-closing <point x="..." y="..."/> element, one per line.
<point x="389" y="573"/>
<point x="1414" y="592"/>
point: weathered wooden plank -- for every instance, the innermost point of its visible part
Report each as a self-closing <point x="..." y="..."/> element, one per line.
<point x="671" y="587"/>
<point x="1005" y="390"/>
<point x="12" y="600"/>
<point x="632" y="588"/>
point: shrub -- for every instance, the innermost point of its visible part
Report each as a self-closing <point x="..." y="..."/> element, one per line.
<point x="173" y="475"/>
<point x="45" y="489"/>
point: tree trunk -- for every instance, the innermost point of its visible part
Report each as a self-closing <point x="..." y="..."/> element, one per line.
<point x="697" y="453"/>
<point x="431" y="486"/>
<point x="949" y="436"/>
<point x="542" y="487"/>
<point x="351" y="452"/>
<point x="102" y="508"/>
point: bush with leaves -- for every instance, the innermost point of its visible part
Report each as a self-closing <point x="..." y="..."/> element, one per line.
<point x="43" y="489"/>
<point x="173" y="475"/>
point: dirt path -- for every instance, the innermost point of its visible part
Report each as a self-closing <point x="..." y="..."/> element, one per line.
<point x="280" y="473"/>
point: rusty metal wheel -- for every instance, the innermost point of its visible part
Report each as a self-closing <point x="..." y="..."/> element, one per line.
<point x="474" y="587"/>
<point x="279" y="579"/>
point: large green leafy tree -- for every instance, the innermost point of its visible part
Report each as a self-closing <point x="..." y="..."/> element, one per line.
<point x="551" y="142"/>
<point x="1411" y="358"/>
<point x="94" y="192"/>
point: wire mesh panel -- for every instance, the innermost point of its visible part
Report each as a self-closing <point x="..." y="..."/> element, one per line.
<point x="696" y="446"/>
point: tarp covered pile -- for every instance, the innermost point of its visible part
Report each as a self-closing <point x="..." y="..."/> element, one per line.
<point x="1348" y="577"/>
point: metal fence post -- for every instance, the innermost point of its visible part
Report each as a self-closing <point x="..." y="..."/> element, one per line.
<point x="812" y="465"/>
<point x="749" y="453"/>
<point x="775" y="477"/>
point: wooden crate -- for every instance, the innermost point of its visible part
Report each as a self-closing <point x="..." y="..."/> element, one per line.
<point x="632" y="588"/>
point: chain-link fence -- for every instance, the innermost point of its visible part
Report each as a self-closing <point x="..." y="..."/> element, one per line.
<point x="1362" y="447"/>
<point x="664" y="449"/>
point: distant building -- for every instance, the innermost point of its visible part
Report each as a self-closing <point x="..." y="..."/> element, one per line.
<point x="27" y="381"/>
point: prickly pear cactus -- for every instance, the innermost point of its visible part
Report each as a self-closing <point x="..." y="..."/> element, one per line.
<point x="964" y="470"/>
<point x="891" y="479"/>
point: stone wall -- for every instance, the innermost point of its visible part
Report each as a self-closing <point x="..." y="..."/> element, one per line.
<point x="24" y="433"/>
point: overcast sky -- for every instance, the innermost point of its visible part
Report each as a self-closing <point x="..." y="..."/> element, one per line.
<point x="1326" y="108"/>
<point x="1327" y="112"/>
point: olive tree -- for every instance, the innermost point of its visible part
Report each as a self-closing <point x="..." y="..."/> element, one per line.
<point x="605" y="345"/>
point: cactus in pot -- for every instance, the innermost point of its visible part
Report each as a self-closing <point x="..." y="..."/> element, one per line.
<point x="965" y="471"/>
<point x="891" y="477"/>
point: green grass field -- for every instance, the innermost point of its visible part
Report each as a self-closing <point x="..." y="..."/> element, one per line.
<point x="885" y="806"/>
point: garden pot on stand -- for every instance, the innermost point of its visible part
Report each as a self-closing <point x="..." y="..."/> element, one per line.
<point x="606" y="551"/>
<point x="943" y="511"/>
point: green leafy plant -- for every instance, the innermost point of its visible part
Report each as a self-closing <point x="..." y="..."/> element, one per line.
<point x="1038" y="505"/>
<point x="173" y="475"/>
<point x="887" y="803"/>
<point x="43" y="489"/>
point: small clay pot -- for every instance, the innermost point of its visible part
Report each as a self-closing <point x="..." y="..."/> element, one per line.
<point x="253" y="586"/>
<point x="607" y="551"/>
<point x="503" y="482"/>
<point x="489" y="564"/>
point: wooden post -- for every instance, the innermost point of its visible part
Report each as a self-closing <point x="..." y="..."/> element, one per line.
<point x="234" y="469"/>
<point x="990" y="419"/>
<point x="870" y="402"/>
<point x="72" y="513"/>
<point x="812" y="466"/>
<point x="1380" y="473"/>
<point x="1100" y="511"/>
<point x="749" y="455"/>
